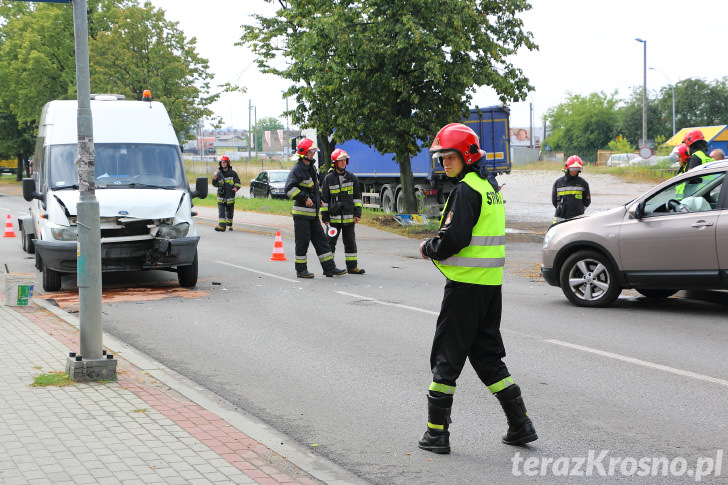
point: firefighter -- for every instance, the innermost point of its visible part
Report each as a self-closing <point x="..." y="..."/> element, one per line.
<point x="570" y="194"/>
<point x="697" y="147"/>
<point x="341" y="194"/>
<point x="228" y="183"/>
<point x="302" y="186"/>
<point x="682" y="156"/>
<point x="469" y="249"/>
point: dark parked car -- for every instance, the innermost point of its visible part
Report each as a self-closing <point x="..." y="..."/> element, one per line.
<point x="269" y="183"/>
<point x="674" y="237"/>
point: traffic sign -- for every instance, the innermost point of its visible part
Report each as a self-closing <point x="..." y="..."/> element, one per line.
<point x="645" y="152"/>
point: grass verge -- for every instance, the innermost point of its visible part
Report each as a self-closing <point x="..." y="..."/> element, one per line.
<point x="56" y="379"/>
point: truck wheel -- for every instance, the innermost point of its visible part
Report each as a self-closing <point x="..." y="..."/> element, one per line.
<point x="400" y="202"/>
<point x="388" y="202"/>
<point x="657" y="294"/>
<point x="187" y="275"/>
<point x="51" y="279"/>
<point x="588" y="280"/>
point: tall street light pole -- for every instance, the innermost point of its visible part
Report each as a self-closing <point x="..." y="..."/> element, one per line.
<point x="644" y="95"/>
<point x="672" y="87"/>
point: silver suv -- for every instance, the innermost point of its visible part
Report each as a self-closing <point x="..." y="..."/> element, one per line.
<point x="674" y="237"/>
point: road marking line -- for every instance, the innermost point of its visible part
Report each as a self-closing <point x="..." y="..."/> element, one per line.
<point x="644" y="363"/>
<point x="259" y="272"/>
<point x="386" y="303"/>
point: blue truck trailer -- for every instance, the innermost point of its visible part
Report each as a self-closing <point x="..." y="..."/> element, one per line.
<point x="379" y="174"/>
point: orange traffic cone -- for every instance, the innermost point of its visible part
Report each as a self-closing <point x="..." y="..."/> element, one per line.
<point x="9" y="228"/>
<point x="278" y="249"/>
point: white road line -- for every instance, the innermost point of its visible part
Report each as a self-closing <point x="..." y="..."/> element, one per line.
<point x="643" y="363"/>
<point x="380" y="302"/>
<point x="259" y="272"/>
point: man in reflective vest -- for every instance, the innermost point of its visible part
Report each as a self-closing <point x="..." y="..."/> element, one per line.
<point x="469" y="249"/>
<point x="570" y="194"/>
<point x="698" y="148"/>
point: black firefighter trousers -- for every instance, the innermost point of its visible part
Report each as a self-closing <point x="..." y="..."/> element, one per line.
<point x="469" y="327"/>
<point x="308" y="229"/>
<point x="348" y="234"/>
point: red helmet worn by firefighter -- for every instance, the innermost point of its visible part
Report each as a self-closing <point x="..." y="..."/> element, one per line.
<point x="682" y="153"/>
<point x="574" y="162"/>
<point x="460" y="138"/>
<point x="224" y="159"/>
<point x="340" y="154"/>
<point x="693" y="136"/>
<point x="306" y="145"/>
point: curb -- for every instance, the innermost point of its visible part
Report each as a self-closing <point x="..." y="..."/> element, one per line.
<point x="317" y="466"/>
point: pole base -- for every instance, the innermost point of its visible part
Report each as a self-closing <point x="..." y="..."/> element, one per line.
<point x="88" y="370"/>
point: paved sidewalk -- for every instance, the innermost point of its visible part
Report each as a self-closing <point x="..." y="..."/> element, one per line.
<point x="144" y="428"/>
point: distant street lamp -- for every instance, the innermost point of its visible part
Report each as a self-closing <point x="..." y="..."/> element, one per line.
<point x="644" y="95"/>
<point x="672" y="87"/>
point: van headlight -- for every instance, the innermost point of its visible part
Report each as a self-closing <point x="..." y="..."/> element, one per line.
<point x="547" y="238"/>
<point x="65" y="233"/>
<point x="168" y="231"/>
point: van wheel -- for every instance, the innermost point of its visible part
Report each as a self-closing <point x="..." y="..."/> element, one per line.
<point x="27" y="242"/>
<point x="51" y="279"/>
<point x="187" y="275"/>
<point x="588" y="280"/>
<point x="657" y="294"/>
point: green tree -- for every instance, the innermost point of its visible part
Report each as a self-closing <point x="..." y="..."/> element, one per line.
<point x="620" y="145"/>
<point x="391" y="74"/>
<point x="266" y="124"/>
<point x="131" y="48"/>
<point x="150" y="52"/>
<point x="583" y="124"/>
<point x="16" y="140"/>
<point x="659" y="121"/>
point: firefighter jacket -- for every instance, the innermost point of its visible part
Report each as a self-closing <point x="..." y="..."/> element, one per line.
<point x="697" y="159"/>
<point x="571" y="196"/>
<point x="225" y="181"/>
<point x="470" y="246"/>
<point x="341" y="194"/>
<point x="302" y="184"/>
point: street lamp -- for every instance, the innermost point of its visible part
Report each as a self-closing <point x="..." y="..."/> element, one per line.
<point x="644" y="95"/>
<point x="672" y="87"/>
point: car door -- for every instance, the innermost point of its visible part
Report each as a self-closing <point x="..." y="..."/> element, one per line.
<point x="674" y="243"/>
<point x="255" y="185"/>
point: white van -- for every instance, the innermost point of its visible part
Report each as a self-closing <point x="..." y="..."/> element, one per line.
<point x="145" y="201"/>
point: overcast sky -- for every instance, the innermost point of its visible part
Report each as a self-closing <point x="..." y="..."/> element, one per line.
<point x="585" y="46"/>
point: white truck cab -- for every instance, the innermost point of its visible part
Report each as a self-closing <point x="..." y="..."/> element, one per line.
<point x="145" y="201"/>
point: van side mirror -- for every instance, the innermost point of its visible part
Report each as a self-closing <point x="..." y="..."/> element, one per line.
<point x="29" y="191"/>
<point x="200" y="188"/>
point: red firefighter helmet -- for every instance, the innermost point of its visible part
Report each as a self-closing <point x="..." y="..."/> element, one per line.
<point x="574" y="162"/>
<point x="224" y="158"/>
<point x="693" y="136"/>
<point x="460" y="138"/>
<point x="682" y="152"/>
<point x="306" y="145"/>
<point x="339" y="154"/>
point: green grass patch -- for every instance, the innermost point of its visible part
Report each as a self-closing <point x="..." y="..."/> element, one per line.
<point x="57" y="379"/>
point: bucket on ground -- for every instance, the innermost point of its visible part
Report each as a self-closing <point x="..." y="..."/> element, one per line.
<point x="19" y="288"/>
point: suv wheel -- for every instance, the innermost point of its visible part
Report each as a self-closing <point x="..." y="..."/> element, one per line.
<point x="588" y="279"/>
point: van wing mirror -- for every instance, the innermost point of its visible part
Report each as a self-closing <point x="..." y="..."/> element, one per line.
<point x="200" y="188"/>
<point x="29" y="191"/>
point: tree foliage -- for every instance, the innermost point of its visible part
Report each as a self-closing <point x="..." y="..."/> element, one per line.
<point x="391" y="74"/>
<point x="583" y="124"/>
<point x="131" y="48"/>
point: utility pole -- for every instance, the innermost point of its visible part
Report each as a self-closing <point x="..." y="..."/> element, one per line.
<point x="250" y="134"/>
<point x="92" y="364"/>
<point x="644" y="95"/>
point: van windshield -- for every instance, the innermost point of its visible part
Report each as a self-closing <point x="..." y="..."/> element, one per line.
<point x="120" y="165"/>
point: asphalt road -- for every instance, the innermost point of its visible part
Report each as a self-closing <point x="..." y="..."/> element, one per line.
<point x="342" y="364"/>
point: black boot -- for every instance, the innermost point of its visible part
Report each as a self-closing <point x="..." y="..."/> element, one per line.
<point x="520" y="427"/>
<point x="436" y="439"/>
<point x="304" y="274"/>
<point x="334" y="271"/>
